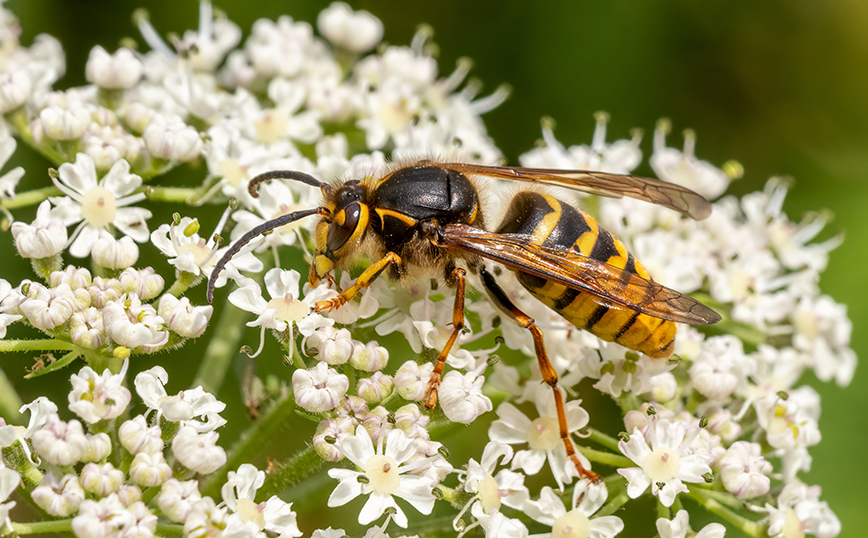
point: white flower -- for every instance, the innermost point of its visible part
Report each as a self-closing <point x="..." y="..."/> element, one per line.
<point x="319" y="389"/>
<point x="198" y="451"/>
<point x="99" y="397"/>
<point x="578" y="521"/>
<point x="104" y="518"/>
<point x="41" y="411"/>
<point x="273" y="515"/>
<point x="60" y="443"/>
<point x="412" y="378"/>
<point x="461" y="396"/>
<point x="129" y="322"/>
<point x="541" y="434"/>
<point x="120" y="70"/>
<point x="189" y="252"/>
<point x="172" y="139"/>
<point x="358" y="31"/>
<point x="490" y="491"/>
<point x="799" y="512"/>
<point x="385" y="476"/>
<point x="98" y="204"/>
<point x="59" y="497"/>
<point x="194" y="408"/>
<point x="183" y="318"/>
<point x="666" y="464"/>
<point x="679" y="526"/>
<point x="114" y="253"/>
<point x="683" y="168"/>
<point x="744" y="471"/>
<point x="43" y="238"/>
<point x="332" y="346"/>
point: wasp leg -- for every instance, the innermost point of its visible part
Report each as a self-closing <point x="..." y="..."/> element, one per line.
<point x="457" y="275"/>
<point x="499" y="298"/>
<point x="365" y="279"/>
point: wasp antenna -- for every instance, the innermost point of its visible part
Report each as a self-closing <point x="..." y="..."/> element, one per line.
<point x="282" y="174"/>
<point x="249" y="236"/>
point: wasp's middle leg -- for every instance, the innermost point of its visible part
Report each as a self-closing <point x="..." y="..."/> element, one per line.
<point x="458" y="274"/>
<point x="550" y="376"/>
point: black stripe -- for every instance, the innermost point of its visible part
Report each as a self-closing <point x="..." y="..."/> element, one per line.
<point x="604" y="248"/>
<point x="626" y="326"/>
<point x="566" y="298"/>
<point x="631" y="264"/>
<point x="598" y="314"/>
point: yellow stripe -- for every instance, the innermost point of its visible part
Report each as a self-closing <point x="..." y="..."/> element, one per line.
<point x="585" y="243"/>
<point x="406" y="219"/>
<point x="619" y="261"/>
<point x="547" y="224"/>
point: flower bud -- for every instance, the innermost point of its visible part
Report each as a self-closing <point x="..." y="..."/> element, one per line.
<point x="121" y="70"/>
<point x="375" y="388"/>
<point x="461" y="397"/>
<point x="369" y="357"/>
<point x="74" y="277"/>
<point x="129" y="494"/>
<point x="59" y="442"/>
<point x="333" y="346"/>
<point x="149" y="470"/>
<point x="411" y="380"/>
<point x="114" y="253"/>
<point x="136" y="436"/>
<point x="412" y="421"/>
<point x="15" y="89"/>
<point x="101" y="480"/>
<point x="64" y="124"/>
<point x="86" y="328"/>
<point x="327" y="436"/>
<point x="664" y="387"/>
<point x="59" y="498"/>
<point x="145" y="283"/>
<point x="99" y="445"/>
<point x="183" y="318"/>
<point x="635" y="420"/>
<point x="177" y="498"/>
<point x="744" y="471"/>
<point x="198" y="451"/>
<point x="358" y="31"/>
<point x="47" y="308"/>
<point x="44" y="238"/>
<point x="319" y="389"/>
<point x="172" y="139"/>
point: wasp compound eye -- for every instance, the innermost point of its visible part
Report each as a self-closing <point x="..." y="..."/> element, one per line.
<point x="343" y="226"/>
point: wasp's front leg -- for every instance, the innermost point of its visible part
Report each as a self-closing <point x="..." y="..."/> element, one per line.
<point x="365" y="279"/>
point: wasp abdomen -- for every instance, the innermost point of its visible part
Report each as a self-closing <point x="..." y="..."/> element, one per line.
<point x="556" y="224"/>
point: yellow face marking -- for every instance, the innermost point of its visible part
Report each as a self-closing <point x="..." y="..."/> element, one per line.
<point x="406" y="219"/>
<point x="323" y="265"/>
<point x="547" y="224"/>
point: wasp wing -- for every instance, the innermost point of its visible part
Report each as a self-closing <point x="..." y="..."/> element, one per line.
<point x="577" y="271"/>
<point x="651" y="190"/>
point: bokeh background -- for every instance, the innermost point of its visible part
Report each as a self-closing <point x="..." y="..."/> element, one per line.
<point x="779" y="85"/>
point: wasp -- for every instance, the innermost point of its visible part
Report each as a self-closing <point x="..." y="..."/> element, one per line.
<point x="427" y="216"/>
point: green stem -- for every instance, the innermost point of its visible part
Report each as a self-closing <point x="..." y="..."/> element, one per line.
<point x="747" y="526"/>
<point x="182" y="284"/>
<point x="10" y="402"/>
<point x="178" y="195"/>
<point x="251" y="443"/>
<point x="606" y="458"/>
<point x="615" y="503"/>
<point x="43" y="527"/>
<point x="221" y="349"/>
<point x="171" y="529"/>
<point x="47" y="344"/>
<point x="291" y="472"/>
<point x="601" y="438"/>
<point x="29" y="198"/>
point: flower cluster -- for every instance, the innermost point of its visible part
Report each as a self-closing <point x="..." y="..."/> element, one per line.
<point x="725" y="421"/>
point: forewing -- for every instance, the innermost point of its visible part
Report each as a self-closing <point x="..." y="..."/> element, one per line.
<point x="574" y="270"/>
<point x="651" y="190"/>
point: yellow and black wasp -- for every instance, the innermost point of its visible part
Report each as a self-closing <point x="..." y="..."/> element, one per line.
<point x="426" y="217"/>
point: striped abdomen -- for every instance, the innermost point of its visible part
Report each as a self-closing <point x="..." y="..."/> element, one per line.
<point x="553" y="223"/>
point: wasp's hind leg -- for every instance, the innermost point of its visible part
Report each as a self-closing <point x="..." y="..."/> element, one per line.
<point x="457" y="275"/>
<point x="365" y="279"/>
<point x="499" y="297"/>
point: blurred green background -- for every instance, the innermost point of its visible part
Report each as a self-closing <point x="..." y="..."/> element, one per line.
<point x="779" y="85"/>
